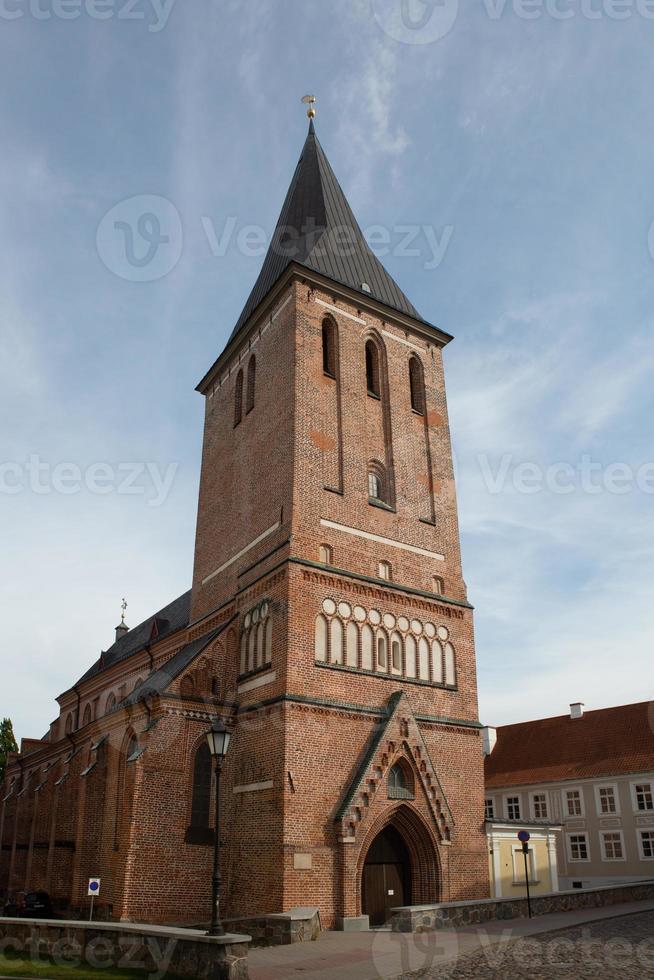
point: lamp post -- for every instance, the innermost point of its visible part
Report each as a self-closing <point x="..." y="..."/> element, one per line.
<point x="218" y="739"/>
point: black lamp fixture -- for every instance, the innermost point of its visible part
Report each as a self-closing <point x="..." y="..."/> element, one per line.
<point x="218" y="739"/>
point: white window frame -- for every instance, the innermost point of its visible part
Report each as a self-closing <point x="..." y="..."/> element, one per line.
<point x="519" y="865"/>
<point x="641" y="850"/>
<point x="512" y="796"/>
<point x="532" y="805"/>
<point x="603" y="855"/>
<point x="634" y="797"/>
<point x="598" y="799"/>
<point x="568" y="841"/>
<point x="564" y="799"/>
<point x="491" y="800"/>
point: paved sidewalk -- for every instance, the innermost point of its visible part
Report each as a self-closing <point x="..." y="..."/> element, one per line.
<point x="382" y="954"/>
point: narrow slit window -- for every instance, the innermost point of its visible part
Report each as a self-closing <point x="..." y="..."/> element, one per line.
<point x="252" y="381"/>
<point x="372" y="369"/>
<point x="328" y="348"/>
<point x="238" y="399"/>
<point x="416" y="386"/>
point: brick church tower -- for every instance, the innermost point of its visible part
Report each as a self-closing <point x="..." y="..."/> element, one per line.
<point x="327" y="624"/>
<point x="327" y="527"/>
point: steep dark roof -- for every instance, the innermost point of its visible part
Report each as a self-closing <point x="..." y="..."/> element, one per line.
<point x="317" y="229"/>
<point x="175" y="616"/>
<point x="159" y="679"/>
<point x="606" y="742"/>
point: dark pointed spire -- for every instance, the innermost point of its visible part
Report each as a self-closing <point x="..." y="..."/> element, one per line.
<point x="317" y="229"/>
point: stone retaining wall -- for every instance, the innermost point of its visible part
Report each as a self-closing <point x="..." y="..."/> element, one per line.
<point x="428" y="918"/>
<point x="154" y="949"/>
<point x="280" y="929"/>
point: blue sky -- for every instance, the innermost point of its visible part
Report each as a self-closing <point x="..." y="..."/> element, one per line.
<point x="523" y="142"/>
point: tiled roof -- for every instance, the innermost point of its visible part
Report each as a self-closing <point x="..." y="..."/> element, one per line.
<point x="606" y="742"/>
<point x="317" y="229"/>
<point x="173" y="617"/>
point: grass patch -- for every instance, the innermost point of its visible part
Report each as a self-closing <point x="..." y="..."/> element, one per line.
<point x="13" y="964"/>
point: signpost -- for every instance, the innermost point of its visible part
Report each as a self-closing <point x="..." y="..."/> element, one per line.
<point x="93" y="890"/>
<point x="523" y="837"/>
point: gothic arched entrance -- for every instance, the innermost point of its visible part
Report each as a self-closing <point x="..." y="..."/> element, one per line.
<point x="386" y="879"/>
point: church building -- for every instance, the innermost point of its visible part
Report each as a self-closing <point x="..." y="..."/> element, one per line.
<point x="327" y="625"/>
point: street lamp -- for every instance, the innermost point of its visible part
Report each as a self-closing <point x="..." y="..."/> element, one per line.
<point x="218" y="739"/>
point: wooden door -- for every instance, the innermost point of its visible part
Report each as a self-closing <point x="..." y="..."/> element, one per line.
<point x="383" y="889"/>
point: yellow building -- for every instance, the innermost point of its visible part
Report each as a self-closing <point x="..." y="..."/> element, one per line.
<point x="507" y="861"/>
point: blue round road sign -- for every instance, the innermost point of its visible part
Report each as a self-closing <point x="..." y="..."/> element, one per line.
<point x="94" y="886"/>
<point x="523" y="835"/>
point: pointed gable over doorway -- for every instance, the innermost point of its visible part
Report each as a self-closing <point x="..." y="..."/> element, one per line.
<point x="398" y="739"/>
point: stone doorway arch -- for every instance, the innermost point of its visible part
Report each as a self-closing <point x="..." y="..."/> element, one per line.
<point x="399" y="865"/>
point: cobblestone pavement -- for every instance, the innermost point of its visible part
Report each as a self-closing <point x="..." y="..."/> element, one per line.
<point x="614" y="948"/>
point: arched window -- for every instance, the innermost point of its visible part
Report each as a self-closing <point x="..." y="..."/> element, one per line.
<point x="416" y="385"/>
<point x="238" y="399"/>
<point x="321" y="638"/>
<point x="260" y="643"/>
<point x="396" y="654"/>
<point x="367" y="647"/>
<point x="450" y="665"/>
<point x="382" y="651"/>
<point x="329" y="348"/>
<point x="411" y="656"/>
<point x="86" y="718"/>
<point x="201" y="798"/>
<point x="436" y="662"/>
<point x="336" y="641"/>
<point x="268" y="645"/>
<point x="133" y="749"/>
<point x="111" y="703"/>
<point x="376" y="481"/>
<point x="423" y="659"/>
<point x="385" y="570"/>
<point x="325" y="554"/>
<point x="372" y="369"/>
<point x="400" y="783"/>
<point x="438" y="585"/>
<point x="187" y="687"/>
<point x="252" y="380"/>
<point x="352" y="645"/>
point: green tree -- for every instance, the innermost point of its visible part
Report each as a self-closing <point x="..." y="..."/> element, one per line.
<point x="7" y="744"/>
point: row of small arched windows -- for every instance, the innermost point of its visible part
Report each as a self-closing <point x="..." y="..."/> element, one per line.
<point x="249" y="393"/>
<point x="88" y="717"/>
<point x="374" y="650"/>
<point x="373" y="367"/>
